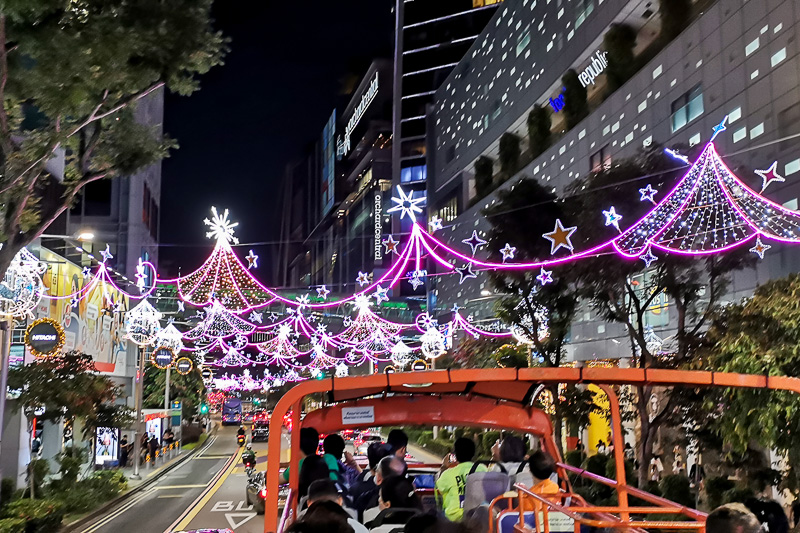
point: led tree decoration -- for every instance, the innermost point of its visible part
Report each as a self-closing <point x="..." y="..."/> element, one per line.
<point x="219" y="323"/>
<point x="142" y="323"/>
<point x="280" y="347"/>
<point x="369" y="333"/>
<point x="21" y="288"/>
<point x="232" y="358"/>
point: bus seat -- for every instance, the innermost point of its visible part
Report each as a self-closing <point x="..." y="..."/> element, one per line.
<point x="559" y="522"/>
<point x="483" y="487"/>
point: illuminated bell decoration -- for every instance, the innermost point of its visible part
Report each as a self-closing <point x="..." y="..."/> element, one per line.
<point x="433" y="343"/>
<point x="141" y="323"/>
<point x="169" y="337"/>
<point x="21" y="288"/>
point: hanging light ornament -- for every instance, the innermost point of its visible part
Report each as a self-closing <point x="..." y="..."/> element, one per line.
<point x="433" y="343"/>
<point x="21" y="288"/>
<point x="142" y="323"/>
<point x="401" y="354"/>
<point x="169" y="337"/>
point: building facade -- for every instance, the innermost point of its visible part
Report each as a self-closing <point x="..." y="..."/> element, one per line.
<point x="735" y="58"/>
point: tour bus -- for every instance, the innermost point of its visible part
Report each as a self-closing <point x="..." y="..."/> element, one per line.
<point x="231" y="411"/>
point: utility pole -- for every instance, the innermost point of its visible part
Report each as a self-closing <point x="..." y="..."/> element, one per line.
<point x="137" y="433"/>
<point x="5" y="352"/>
<point x="166" y="390"/>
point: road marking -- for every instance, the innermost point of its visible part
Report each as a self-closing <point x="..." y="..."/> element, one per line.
<point x="170" y="496"/>
<point x="231" y="518"/>
<point x="204" y="498"/>
<point x="163" y="487"/>
<point x="108" y="518"/>
<point x="214" y="457"/>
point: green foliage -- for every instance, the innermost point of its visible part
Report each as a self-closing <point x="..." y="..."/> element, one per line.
<point x="508" y="154"/>
<point x="488" y="440"/>
<point x="73" y="75"/>
<point x="539" y="135"/>
<point x="37" y="471"/>
<point x="574" y="458"/>
<point x="40" y="516"/>
<point x="12" y="525"/>
<point x="70" y="462"/>
<point x="677" y="488"/>
<point x="576" y="106"/>
<point x="8" y="487"/>
<point x="619" y="42"/>
<point x="484" y="170"/>
<point x="675" y="16"/>
<point x="715" y="489"/>
<point x="88" y="493"/>
<point x="478" y="352"/>
<point x="188" y="388"/>
<point x="512" y="356"/>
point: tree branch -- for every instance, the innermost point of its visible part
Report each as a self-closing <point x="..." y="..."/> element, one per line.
<point x="4" y="131"/>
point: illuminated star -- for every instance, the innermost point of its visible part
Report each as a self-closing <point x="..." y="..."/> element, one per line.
<point x="74" y="302"/>
<point x="612" y="217"/>
<point x="87" y="272"/>
<point x="302" y="300"/>
<point x="322" y="328"/>
<point x="362" y="278"/>
<point x="140" y="275"/>
<point x="181" y="306"/>
<point x="284" y="330"/>
<point x="256" y="316"/>
<point x="362" y="302"/>
<point x="406" y="204"/>
<point x="648" y="258"/>
<point x="465" y="272"/>
<point x="455" y="308"/>
<point x="474" y="242"/>
<point x="677" y="155"/>
<point x="508" y="252"/>
<point x="221" y="227"/>
<point x="272" y="317"/>
<point x="106" y="254"/>
<point x="435" y="224"/>
<point x="545" y="276"/>
<point x="390" y="244"/>
<point x="769" y="175"/>
<point x="760" y="248"/>
<point x="416" y="278"/>
<point x="719" y="128"/>
<point x="323" y="292"/>
<point x="560" y="236"/>
<point x="252" y="260"/>
<point x="380" y="295"/>
<point x="647" y="194"/>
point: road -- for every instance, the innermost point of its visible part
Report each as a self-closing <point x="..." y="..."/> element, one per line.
<point x="160" y="506"/>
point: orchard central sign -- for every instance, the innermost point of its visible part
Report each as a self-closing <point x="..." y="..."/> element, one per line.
<point x="377" y="245"/>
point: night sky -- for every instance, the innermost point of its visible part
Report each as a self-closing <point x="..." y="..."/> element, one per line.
<point x="285" y="72"/>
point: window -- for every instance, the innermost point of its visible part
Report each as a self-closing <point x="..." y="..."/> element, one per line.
<point x="600" y="160"/>
<point x="583" y="9"/>
<point x="450" y="153"/>
<point x="687" y="107"/>
<point x="523" y="42"/>
<point x="410" y="174"/>
<point x="448" y="210"/>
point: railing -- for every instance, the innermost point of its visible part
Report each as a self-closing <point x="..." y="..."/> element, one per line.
<point x="287" y="512"/>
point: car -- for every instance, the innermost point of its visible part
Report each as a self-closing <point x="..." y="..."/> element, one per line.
<point x="247" y="417"/>
<point x="260" y="430"/>
<point x="256" y="492"/>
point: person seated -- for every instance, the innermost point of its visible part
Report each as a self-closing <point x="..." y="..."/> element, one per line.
<point x="398" y="441"/>
<point x="542" y="466"/>
<point x="349" y="470"/>
<point x="309" y="440"/>
<point x="397" y="501"/>
<point x="769" y="513"/>
<point x="325" y="496"/>
<point x="452" y="483"/>
<point x="510" y="453"/>
<point x="241" y="432"/>
<point x="732" y="518"/>
<point x="389" y="467"/>
<point x="364" y="492"/>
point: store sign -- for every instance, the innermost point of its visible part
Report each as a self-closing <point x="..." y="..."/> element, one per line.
<point x="557" y="103"/>
<point x="358" y="415"/>
<point x="595" y="68"/>
<point x="106" y="446"/>
<point x="377" y="245"/>
<point x="419" y="365"/>
<point x="44" y="337"/>
<point x="343" y="146"/>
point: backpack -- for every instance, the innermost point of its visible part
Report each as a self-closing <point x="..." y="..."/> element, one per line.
<point x="522" y="476"/>
<point x="483" y="487"/>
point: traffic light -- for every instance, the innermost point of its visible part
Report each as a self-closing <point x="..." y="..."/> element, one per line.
<point x="204" y="408"/>
<point x="320" y="375"/>
<point x="256" y="401"/>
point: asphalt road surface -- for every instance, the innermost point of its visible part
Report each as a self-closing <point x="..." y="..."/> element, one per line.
<point x="171" y="501"/>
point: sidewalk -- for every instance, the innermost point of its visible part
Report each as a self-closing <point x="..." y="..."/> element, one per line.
<point x="149" y="470"/>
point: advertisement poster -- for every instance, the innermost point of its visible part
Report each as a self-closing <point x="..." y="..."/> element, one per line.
<point x="153" y="427"/>
<point x="90" y="326"/>
<point x="106" y="446"/>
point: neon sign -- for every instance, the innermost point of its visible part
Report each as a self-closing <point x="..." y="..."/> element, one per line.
<point x="595" y="68"/>
<point x="377" y="246"/>
<point x="343" y="146"/>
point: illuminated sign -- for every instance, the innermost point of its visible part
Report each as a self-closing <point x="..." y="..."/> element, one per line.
<point x="184" y="365"/>
<point x="44" y="337"/>
<point x="163" y="357"/>
<point x="557" y="103"/>
<point x="106" y="446"/>
<point x="595" y="68"/>
<point x="377" y="245"/>
<point x="343" y="146"/>
<point x="419" y="365"/>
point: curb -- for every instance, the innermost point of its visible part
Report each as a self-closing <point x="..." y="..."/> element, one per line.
<point x="103" y="509"/>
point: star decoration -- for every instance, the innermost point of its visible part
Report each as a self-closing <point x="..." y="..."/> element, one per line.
<point x="416" y="278"/>
<point x="312" y="318"/>
<point x="362" y="278"/>
<point x="284" y="330"/>
<point x="380" y="295"/>
<point x="560" y="237"/>
<point x="87" y="272"/>
<point x="302" y="300"/>
<point x="435" y="224"/>
<point x="612" y="217"/>
<point x="719" y="128"/>
<point x="647" y="194"/>
<point x="252" y="260"/>
<point x="346" y="321"/>
<point x="106" y="254"/>
<point x="648" y="258"/>
<point x="455" y="308"/>
<point x="769" y="175"/>
<point x="406" y="204"/>
<point x="465" y="272"/>
<point x="256" y="316"/>
<point x="474" y="242"/>
<point x="322" y="328"/>
<point x="323" y="292"/>
<point x="508" y="252"/>
<point x="273" y="317"/>
<point x="140" y="275"/>
<point x="221" y="227"/>
<point x="545" y="276"/>
<point x="390" y="244"/>
<point x="181" y="306"/>
<point x="362" y="302"/>
<point x="677" y="155"/>
<point x="74" y="302"/>
<point x="760" y="248"/>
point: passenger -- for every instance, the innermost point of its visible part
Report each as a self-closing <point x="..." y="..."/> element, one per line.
<point x="398" y="440"/>
<point x="326" y="517"/>
<point x="389" y="467"/>
<point x="398" y="492"/>
<point x="364" y="491"/>
<point x="452" y="483"/>
<point x="510" y="453"/>
<point x="333" y="445"/>
<point x="769" y="513"/>
<point x="326" y="493"/>
<point x="542" y="467"/>
<point x="732" y="518"/>
<point x="309" y="440"/>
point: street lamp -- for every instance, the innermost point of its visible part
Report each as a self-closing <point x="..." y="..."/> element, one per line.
<point x="142" y="327"/>
<point x="83" y="236"/>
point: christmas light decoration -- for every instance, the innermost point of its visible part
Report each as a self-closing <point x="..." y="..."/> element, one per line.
<point x="380" y="295"/>
<point x="219" y="323"/>
<point x="545" y="276"/>
<point x="222" y="228"/>
<point x="612" y="217"/>
<point x="169" y="337"/>
<point x="432" y="343"/>
<point x="401" y="354"/>
<point x="106" y="254"/>
<point x="406" y="204"/>
<point x="22" y="288"/>
<point x="508" y="252"/>
<point x="719" y="128"/>
<point x="769" y="175"/>
<point x="323" y="292"/>
<point x="676" y="155"/>
<point x="760" y="248"/>
<point x="474" y="242"/>
<point x="362" y="279"/>
<point x="435" y="224"/>
<point x="465" y="272"/>
<point x="647" y="194"/>
<point x="560" y="237"/>
<point x="256" y="316"/>
<point x="390" y="244"/>
<point x="648" y="258"/>
<point x="252" y="260"/>
<point x="142" y="323"/>
<point x="521" y="330"/>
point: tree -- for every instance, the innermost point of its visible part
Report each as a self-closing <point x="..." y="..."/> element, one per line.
<point x="576" y="107"/>
<point x="484" y="170"/>
<point x="70" y="77"/>
<point x="758" y="336"/>
<point x="675" y="16"/>
<point x="619" y="42"/>
<point x="539" y="135"/>
<point x="188" y="388"/>
<point x="67" y="387"/>
<point x="508" y="153"/>
<point x="625" y="291"/>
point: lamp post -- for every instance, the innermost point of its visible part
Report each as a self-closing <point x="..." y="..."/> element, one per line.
<point x="142" y="327"/>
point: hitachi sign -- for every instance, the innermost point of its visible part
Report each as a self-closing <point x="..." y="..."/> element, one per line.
<point x="343" y="146"/>
<point x="597" y="66"/>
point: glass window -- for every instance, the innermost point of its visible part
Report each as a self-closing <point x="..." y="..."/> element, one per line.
<point x="523" y="42"/>
<point x="687" y="107"/>
<point x="600" y="160"/>
<point x="410" y="174"/>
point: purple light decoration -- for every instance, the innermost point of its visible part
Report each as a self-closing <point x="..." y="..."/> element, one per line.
<point x="459" y="322"/>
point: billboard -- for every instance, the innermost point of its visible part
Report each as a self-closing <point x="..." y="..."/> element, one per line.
<point x="106" y="446"/>
<point x="90" y="326"/>
<point x="328" y="164"/>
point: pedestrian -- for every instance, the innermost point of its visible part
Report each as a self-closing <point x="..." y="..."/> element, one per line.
<point x="123" y="451"/>
<point x="152" y="446"/>
<point x="169" y="437"/>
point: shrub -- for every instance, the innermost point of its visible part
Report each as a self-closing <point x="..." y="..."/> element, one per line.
<point x="190" y="433"/>
<point x="7" y="489"/>
<point x="619" y="42"/>
<point x="484" y="170"/>
<point x="676" y="487"/>
<point x="107" y="482"/>
<point x="508" y="153"/>
<point x="40" y="516"/>
<point x="576" y="107"/>
<point x="539" y="136"/>
<point x="738" y="495"/>
<point x="574" y="458"/>
<point x="12" y="525"/>
<point x="715" y="488"/>
<point x="444" y="434"/>
<point x="596" y="464"/>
